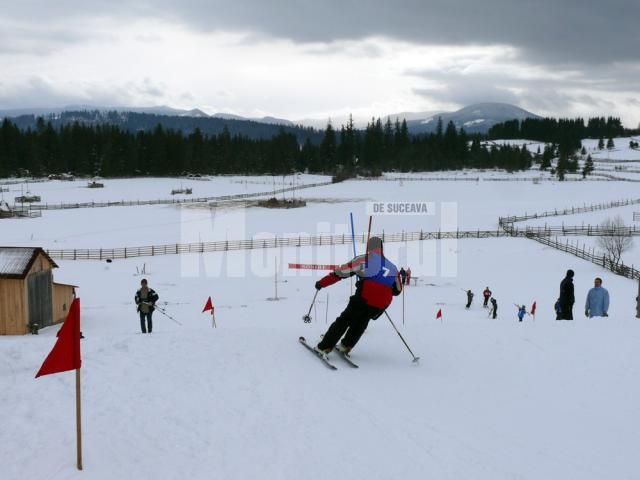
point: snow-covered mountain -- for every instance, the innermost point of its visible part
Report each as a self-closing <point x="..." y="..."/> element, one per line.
<point x="477" y="118"/>
<point x="474" y="118"/>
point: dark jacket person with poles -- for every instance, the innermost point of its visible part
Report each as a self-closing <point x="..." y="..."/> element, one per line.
<point x="567" y="297"/>
<point x="378" y="282"/>
<point x="146" y="299"/>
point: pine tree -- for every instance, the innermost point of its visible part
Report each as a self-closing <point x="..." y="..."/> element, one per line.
<point x="588" y="167"/>
<point x="601" y="144"/>
<point x="610" y="144"/>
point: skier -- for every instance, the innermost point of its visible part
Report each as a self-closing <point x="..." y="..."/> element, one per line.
<point x="494" y="308"/>
<point x="567" y="297"/>
<point x="522" y="311"/>
<point x="469" y="299"/>
<point x="408" y="276"/>
<point x="146" y="299"/>
<point x="487" y="295"/>
<point x="403" y="276"/>
<point x="378" y="282"/>
<point x="597" y="304"/>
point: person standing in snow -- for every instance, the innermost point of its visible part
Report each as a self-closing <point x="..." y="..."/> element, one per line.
<point x="469" y="299"/>
<point x="597" y="304"/>
<point x="567" y="297"/>
<point x="494" y="308"/>
<point x="487" y="295"/>
<point x="522" y="311"/>
<point x="146" y="299"/>
<point x="378" y="282"/>
<point x="408" y="276"/>
<point x="403" y="276"/>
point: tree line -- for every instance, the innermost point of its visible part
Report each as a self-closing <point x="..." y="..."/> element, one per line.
<point x="109" y="150"/>
<point x="567" y="132"/>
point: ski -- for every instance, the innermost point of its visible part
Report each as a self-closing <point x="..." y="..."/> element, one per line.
<point x="303" y="341"/>
<point x="346" y="357"/>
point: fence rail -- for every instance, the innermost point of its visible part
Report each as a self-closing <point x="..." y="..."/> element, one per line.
<point x="619" y="268"/>
<point x="599" y="259"/>
<point x="568" y="211"/>
<point x="636" y="216"/>
<point x="320" y="240"/>
<point x="170" y="201"/>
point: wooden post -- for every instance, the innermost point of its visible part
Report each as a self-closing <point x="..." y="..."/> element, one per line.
<point x="78" y="422"/>
<point x="638" y="301"/>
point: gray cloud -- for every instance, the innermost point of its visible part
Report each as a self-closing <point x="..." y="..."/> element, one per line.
<point x="39" y="92"/>
<point x="570" y="31"/>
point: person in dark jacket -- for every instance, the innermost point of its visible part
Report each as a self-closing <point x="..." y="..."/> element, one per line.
<point x="469" y="299"/>
<point x="567" y="297"/>
<point x="378" y="282"/>
<point x="494" y="308"/>
<point x="403" y="276"/>
<point x="487" y="295"/>
<point x="146" y="299"/>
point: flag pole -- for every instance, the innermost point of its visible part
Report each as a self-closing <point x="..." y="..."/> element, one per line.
<point x="402" y="303"/>
<point x="78" y="422"/>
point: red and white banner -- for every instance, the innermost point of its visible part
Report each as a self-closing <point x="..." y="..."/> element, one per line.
<point x="310" y="266"/>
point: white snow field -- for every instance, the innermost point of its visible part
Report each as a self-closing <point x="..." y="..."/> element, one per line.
<point x="490" y="399"/>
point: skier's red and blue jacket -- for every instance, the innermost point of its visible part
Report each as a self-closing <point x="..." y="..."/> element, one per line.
<point x="378" y="278"/>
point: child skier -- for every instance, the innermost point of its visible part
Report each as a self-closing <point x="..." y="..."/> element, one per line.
<point x="522" y="311"/>
<point x="494" y="308"/>
<point x="378" y="282"/>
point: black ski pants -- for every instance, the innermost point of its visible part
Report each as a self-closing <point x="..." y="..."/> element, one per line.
<point x="566" y="312"/>
<point x="353" y="320"/>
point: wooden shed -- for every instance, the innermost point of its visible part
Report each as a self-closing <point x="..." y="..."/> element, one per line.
<point x="28" y="295"/>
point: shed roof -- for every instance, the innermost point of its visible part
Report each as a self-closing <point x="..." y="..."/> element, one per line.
<point x="15" y="262"/>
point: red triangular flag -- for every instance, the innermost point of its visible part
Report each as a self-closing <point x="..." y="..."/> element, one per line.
<point x="533" y="308"/>
<point x="66" y="352"/>
<point x="208" y="306"/>
<point x="439" y="314"/>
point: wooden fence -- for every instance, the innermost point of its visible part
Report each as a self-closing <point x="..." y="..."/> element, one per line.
<point x="568" y="211"/>
<point x="171" y="201"/>
<point x="590" y="255"/>
<point x="636" y="216"/>
<point x="619" y="268"/>
<point x="321" y="240"/>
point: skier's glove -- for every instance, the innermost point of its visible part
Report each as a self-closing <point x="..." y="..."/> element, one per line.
<point x="605" y="314"/>
<point x="586" y="313"/>
<point x="318" y="285"/>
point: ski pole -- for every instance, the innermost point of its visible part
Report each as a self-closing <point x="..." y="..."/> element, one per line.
<point x="307" y="318"/>
<point x="167" y="315"/>
<point x="415" y="359"/>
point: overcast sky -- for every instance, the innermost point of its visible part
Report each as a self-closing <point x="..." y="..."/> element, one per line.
<point x="316" y="59"/>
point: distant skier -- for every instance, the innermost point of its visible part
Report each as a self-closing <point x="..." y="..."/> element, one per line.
<point x="146" y="299"/>
<point x="469" y="299"/>
<point x="494" y="308"/>
<point x="522" y="311"/>
<point x="597" y="304"/>
<point x="567" y="297"/>
<point x="403" y="276"/>
<point x="378" y="282"/>
<point x="487" y="295"/>
<point x="408" y="276"/>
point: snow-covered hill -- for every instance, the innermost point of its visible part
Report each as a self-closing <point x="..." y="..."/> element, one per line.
<point x="490" y="399"/>
<point x="477" y="118"/>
